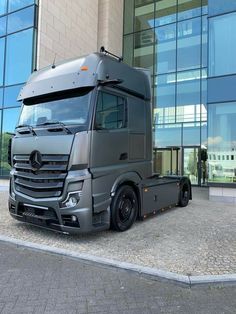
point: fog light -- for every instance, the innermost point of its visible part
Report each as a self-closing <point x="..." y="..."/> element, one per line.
<point x="74" y="218"/>
<point x="72" y="201"/>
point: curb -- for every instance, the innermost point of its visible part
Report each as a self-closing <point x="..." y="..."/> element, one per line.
<point x="148" y="272"/>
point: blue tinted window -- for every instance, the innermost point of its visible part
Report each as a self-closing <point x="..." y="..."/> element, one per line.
<point x="166" y="49"/>
<point x="165" y="12"/>
<point x="222" y="45"/>
<point x="189" y="9"/>
<point x="20" y="20"/>
<point x="10" y="96"/>
<point x="218" y="6"/>
<point x="191" y="134"/>
<point x="3" y="21"/>
<point x="221" y="141"/>
<point x="18" y="4"/>
<point x="3" y="6"/>
<point x="204" y="40"/>
<point x="189" y="44"/>
<point x="19" y="57"/>
<point x="2" y="49"/>
<point x="1" y="96"/>
<point x="168" y="135"/>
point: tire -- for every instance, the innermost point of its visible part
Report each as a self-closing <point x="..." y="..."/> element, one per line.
<point x="184" y="195"/>
<point x="124" y="208"/>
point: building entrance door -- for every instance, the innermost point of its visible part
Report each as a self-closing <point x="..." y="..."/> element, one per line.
<point x="193" y="166"/>
<point x="167" y="161"/>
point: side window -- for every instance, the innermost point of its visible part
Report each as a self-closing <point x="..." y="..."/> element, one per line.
<point x="110" y="112"/>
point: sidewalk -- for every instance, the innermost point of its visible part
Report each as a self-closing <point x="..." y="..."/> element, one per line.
<point x="40" y="283"/>
<point x="195" y="240"/>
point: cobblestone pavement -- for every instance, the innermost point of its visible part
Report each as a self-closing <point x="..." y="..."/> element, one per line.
<point x="196" y="240"/>
<point x="36" y="282"/>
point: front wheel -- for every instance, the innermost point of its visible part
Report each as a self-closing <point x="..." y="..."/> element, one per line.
<point x="184" y="195"/>
<point x="124" y="208"/>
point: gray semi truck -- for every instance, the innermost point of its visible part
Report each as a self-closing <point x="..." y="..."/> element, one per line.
<point x="81" y="154"/>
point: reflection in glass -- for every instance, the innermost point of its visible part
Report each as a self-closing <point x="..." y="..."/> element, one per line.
<point x="10" y="96"/>
<point x="166" y="49"/>
<point x="128" y="49"/>
<point x="20" y="20"/>
<point x="204" y="40"/>
<point x="188" y="96"/>
<point x="216" y="7"/>
<point x="1" y="96"/>
<point x="191" y="134"/>
<point x="222" y="142"/>
<point x="18" y="4"/>
<point x="205" y="6"/>
<point x="167" y="135"/>
<point x="165" y="99"/>
<point x="3" y="6"/>
<point x="3" y="21"/>
<point x="144" y="17"/>
<point x="10" y="117"/>
<point x="222" y="45"/>
<point x="128" y="16"/>
<point x="188" y="9"/>
<point x="144" y="49"/>
<point x="19" y="57"/>
<point x="165" y="12"/>
<point x="2" y="52"/>
<point x="189" y="44"/>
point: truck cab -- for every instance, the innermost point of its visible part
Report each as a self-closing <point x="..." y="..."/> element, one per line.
<point x="82" y="152"/>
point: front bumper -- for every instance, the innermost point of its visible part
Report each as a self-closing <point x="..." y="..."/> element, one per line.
<point x="47" y="213"/>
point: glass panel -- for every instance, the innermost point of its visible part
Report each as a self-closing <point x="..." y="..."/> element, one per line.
<point x="1" y="97"/>
<point x="165" y="12"/>
<point x="3" y="21"/>
<point x="128" y="49"/>
<point x="189" y="44"/>
<point x="10" y="117"/>
<point x="10" y="96"/>
<point x="204" y="134"/>
<point x="204" y="40"/>
<point x="144" y="49"/>
<point x="188" y="96"/>
<point x="167" y="135"/>
<point x="3" y="6"/>
<point x="18" y="4"/>
<point x="128" y="16"/>
<point x="222" y="48"/>
<point x="167" y="161"/>
<point x="19" y="57"/>
<point x="205" y="6"/>
<point x="222" y="142"/>
<point x="2" y="52"/>
<point x="143" y="16"/>
<point x="219" y="6"/>
<point x="110" y="112"/>
<point x="188" y="9"/>
<point x="204" y="99"/>
<point x="165" y="99"/>
<point x="191" y="164"/>
<point x="20" y="20"/>
<point x="191" y="134"/>
<point x="166" y="49"/>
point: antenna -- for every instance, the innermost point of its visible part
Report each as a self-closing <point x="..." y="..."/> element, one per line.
<point x="54" y="60"/>
<point x="103" y="50"/>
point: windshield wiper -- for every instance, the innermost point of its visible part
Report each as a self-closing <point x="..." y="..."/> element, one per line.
<point x="52" y="122"/>
<point x="26" y="126"/>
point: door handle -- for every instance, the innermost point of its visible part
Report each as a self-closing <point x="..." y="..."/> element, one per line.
<point x="123" y="156"/>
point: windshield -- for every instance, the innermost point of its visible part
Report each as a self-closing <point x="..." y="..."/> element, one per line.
<point x="72" y="111"/>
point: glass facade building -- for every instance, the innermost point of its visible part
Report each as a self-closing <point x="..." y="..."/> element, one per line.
<point x="18" y="29"/>
<point x="183" y="42"/>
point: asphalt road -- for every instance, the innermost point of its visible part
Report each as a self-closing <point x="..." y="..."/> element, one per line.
<point x="37" y="282"/>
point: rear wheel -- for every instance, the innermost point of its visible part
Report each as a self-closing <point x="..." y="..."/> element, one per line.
<point x="124" y="208"/>
<point x="184" y="195"/>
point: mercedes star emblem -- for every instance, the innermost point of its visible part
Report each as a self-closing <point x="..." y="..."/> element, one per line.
<point x="36" y="160"/>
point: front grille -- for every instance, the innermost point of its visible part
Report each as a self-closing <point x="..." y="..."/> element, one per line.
<point x="48" y="181"/>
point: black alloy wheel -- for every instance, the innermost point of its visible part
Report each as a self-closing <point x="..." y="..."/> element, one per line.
<point x="124" y="208"/>
<point x="184" y="195"/>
